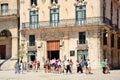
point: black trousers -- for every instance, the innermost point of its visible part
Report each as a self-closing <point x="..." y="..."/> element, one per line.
<point x="68" y="69"/>
<point x="103" y="70"/>
<point x="79" y="69"/>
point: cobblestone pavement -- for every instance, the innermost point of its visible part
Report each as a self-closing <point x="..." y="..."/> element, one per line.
<point x="97" y="75"/>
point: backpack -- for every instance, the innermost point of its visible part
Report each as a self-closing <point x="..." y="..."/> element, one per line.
<point x="86" y="64"/>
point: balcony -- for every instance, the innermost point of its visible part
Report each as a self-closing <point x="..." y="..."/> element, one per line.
<point x="9" y="12"/>
<point x="82" y="45"/>
<point x="67" y="23"/>
<point x="31" y="46"/>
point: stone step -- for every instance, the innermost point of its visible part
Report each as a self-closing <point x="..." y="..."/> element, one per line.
<point x="7" y="64"/>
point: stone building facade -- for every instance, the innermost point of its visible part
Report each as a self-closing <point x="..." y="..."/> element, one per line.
<point x="64" y="29"/>
<point x="70" y="29"/>
<point x="8" y="32"/>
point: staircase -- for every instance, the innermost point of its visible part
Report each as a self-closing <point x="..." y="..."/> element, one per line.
<point x="7" y="64"/>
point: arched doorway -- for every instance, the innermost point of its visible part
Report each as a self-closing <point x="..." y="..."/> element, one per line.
<point x="5" y="44"/>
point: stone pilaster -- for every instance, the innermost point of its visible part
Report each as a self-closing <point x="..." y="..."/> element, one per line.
<point x="14" y="47"/>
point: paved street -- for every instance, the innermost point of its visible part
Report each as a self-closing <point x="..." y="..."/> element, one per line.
<point x="97" y="75"/>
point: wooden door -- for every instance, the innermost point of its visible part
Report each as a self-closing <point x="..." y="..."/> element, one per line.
<point x="53" y="45"/>
<point x="2" y="51"/>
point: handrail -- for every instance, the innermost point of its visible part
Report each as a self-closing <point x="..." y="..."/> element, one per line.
<point x="8" y="12"/>
<point x="68" y="23"/>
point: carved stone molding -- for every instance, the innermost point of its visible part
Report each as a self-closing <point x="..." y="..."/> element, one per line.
<point x="32" y="48"/>
<point x="80" y="3"/>
<point x="33" y="7"/>
<point x="82" y="47"/>
<point x="54" y="5"/>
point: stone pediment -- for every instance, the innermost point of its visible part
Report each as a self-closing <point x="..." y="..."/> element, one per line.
<point x="82" y="47"/>
<point x="33" y="7"/>
<point x="80" y="3"/>
<point x="54" y="5"/>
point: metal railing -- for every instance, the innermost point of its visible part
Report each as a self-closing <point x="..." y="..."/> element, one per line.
<point x="68" y="23"/>
<point x="31" y="44"/>
<point x="8" y="12"/>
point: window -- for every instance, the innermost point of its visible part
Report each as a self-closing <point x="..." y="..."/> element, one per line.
<point x="118" y="43"/>
<point x="34" y="1"/>
<point x="54" y="17"/>
<point x="82" y="55"/>
<point x="34" y="19"/>
<point x="4" y="9"/>
<point x="82" y="37"/>
<point x="112" y="40"/>
<point x="80" y="15"/>
<point x="32" y="55"/>
<point x="72" y="53"/>
<point x="31" y="40"/>
<point x="105" y="37"/>
<point x="56" y="1"/>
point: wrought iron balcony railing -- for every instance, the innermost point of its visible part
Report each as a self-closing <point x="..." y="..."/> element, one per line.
<point x="9" y="12"/>
<point x="31" y="44"/>
<point x="67" y="23"/>
<point x="83" y="45"/>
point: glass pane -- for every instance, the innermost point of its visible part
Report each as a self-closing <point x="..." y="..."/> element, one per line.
<point x="56" y="17"/>
<point x="4" y="9"/>
<point x="33" y="19"/>
<point x="32" y="40"/>
<point x="53" y="17"/>
<point x="80" y="15"/>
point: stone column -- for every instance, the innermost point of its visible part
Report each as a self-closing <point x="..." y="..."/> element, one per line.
<point x="14" y="47"/>
<point x="109" y="47"/>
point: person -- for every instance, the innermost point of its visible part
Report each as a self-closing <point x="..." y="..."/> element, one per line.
<point x="89" y="66"/>
<point x="17" y="67"/>
<point x="68" y="68"/>
<point x="21" y="66"/>
<point x="107" y="66"/>
<point x="71" y="64"/>
<point x="27" y="66"/>
<point x="63" y="66"/>
<point x="38" y="65"/>
<point x="79" y="66"/>
<point x="34" y="66"/>
<point x="103" y="66"/>
<point x="86" y="66"/>
<point x="59" y="64"/>
<point x="46" y="66"/>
